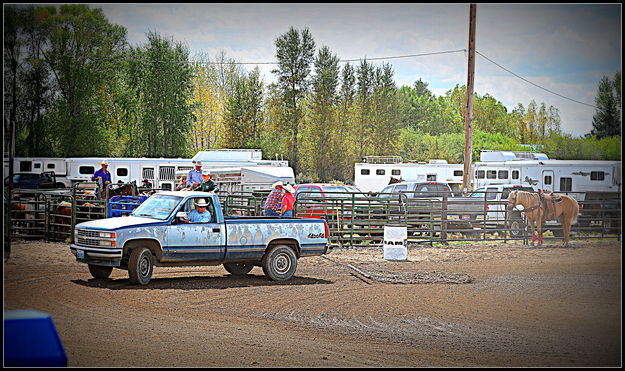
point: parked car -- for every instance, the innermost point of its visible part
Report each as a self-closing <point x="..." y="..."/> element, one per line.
<point x="322" y="200"/>
<point x="45" y="180"/>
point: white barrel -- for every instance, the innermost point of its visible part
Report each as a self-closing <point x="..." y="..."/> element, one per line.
<point x="395" y="243"/>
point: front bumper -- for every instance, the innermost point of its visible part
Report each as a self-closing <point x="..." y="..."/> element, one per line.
<point x="97" y="256"/>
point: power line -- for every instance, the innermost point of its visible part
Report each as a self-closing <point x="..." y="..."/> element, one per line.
<point x="340" y="61"/>
<point x="536" y="85"/>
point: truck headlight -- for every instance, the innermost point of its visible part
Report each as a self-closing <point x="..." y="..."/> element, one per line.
<point x="107" y="234"/>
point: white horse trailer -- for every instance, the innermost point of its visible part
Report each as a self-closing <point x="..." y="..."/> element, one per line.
<point x="251" y="178"/>
<point x="593" y="179"/>
<point x="375" y="173"/>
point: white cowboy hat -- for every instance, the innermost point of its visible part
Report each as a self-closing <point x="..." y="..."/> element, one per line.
<point x="206" y="172"/>
<point x="277" y="184"/>
<point x="104" y="162"/>
<point x="198" y="163"/>
<point x="289" y="188"/>
<point x="201" y="202"/>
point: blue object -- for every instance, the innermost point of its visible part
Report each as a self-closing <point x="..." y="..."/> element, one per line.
<point x="31" y="340"/>
<point x="120" y="205"/>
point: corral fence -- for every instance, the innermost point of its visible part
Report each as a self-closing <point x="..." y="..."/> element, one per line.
<point x="359" y="218"/>
<point x="353" y="218"/>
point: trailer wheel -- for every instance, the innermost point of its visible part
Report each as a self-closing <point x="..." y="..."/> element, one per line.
<point x="238" y="269"/>
<point x="140" y="266"/>
<point x="279" y="263"/>
<point x="99" y="271"/>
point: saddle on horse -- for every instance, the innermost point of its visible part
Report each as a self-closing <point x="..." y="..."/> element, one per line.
<point x="549" y="201"/>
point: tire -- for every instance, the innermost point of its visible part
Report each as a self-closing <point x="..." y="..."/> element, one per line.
<point x="100" y="271"/>
<point x="279" y="263"/>
<point x="238" y="269"/>
<point x="140" y="266"/>
<point x="517" y="226"/>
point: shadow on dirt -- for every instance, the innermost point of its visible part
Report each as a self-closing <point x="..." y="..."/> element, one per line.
<point x="199" y="282"/>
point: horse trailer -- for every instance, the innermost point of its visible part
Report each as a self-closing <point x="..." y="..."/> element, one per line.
<point x="160" y="172"/>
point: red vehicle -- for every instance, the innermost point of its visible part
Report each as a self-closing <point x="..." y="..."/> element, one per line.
<point x="323" y="201"/>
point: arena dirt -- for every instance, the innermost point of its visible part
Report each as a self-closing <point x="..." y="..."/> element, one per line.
<point x="462" y="305"/>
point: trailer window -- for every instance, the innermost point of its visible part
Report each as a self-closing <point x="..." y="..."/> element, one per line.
<point x="431" y="177"/>
<point x="457" y="172"/>
<point x="50" y="166"/>
<point x="26" y="166"/>
<point x="502" y="174"/>
<point x="86" y="170"/>
<point x="597" y="175"/>
<point x="480" y="174"/>
<point x="148" y="173"/>
<point x="395" y="172"/>
<point x="364" y="171"/>
<point x="547" y="180"/>
<point x="122" y="171"/>
<point x="491" y="174"/>
<point x="515" y="174"/>
<point x="380" y="172"/>
<point x="566" y="184"/>
<point x="37" y="166"/>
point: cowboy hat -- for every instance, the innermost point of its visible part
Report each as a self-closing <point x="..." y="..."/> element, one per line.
<point x="277" y="184"/>
<point x="104" y="162"/>
<point x="198" y="163"/>
<point x="201" y="202"/>
<point x="206" y="172"/>
<point x="289" y="188"/>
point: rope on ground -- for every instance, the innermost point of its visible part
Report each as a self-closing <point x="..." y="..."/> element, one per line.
<point x="385" y="276"/>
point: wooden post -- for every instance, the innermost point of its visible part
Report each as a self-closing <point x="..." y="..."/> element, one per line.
<point x="468" y="125"/>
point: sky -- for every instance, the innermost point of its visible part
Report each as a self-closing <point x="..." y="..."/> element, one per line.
<point x="564" y="48"/>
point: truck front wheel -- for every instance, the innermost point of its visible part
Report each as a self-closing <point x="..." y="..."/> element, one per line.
<point x="140" y="266"/>
<point x="99" y="271"/>
<point x="238" y="269"/>
<point x="279" y="263"/>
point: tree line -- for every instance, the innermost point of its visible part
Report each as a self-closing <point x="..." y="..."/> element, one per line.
<point x="74" y="87"/>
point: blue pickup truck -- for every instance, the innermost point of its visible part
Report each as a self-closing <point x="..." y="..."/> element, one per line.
<point x="159" y="232"/>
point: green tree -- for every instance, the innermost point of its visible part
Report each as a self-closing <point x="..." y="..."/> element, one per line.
<point x="294" y="52"/>
<point x="607" y="121"/>
<point x="162" y="78"/>
<point x="244" y="112"/>
<point x="364" y="92"/>
<point x="322" y="136"/>
<point x="83" y="51"/>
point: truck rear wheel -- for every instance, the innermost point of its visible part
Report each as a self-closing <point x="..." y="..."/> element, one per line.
<point x="99" y="271"/>
<point x="279" y="263"/>
<point x="238" y="269"/>
<point x="140" y="266"/>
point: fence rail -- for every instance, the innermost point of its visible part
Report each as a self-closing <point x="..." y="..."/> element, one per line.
<point x="353" y="218"/>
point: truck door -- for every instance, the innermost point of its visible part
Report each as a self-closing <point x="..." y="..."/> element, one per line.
<point x="548" y="180"/>
<point x="203" y="241"/>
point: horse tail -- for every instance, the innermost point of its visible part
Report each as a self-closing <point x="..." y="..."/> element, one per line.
<point x="576" y="212"/>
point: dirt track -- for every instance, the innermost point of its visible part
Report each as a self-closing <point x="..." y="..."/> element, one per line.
<point x="523" y="306"/>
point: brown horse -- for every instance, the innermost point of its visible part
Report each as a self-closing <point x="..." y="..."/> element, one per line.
<point x="565" y="210"/>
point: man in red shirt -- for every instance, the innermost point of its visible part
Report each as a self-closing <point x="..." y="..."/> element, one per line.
<point x="272" y="205"/>
<point x="288" y="201"/>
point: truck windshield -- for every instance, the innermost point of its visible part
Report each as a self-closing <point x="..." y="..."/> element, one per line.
<point x="157" y="207"/>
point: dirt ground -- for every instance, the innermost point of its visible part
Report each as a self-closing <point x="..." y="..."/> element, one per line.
<point x="520" y="306"/>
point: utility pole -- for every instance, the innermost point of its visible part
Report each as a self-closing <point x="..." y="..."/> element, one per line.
<point x="468" y="124"/>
